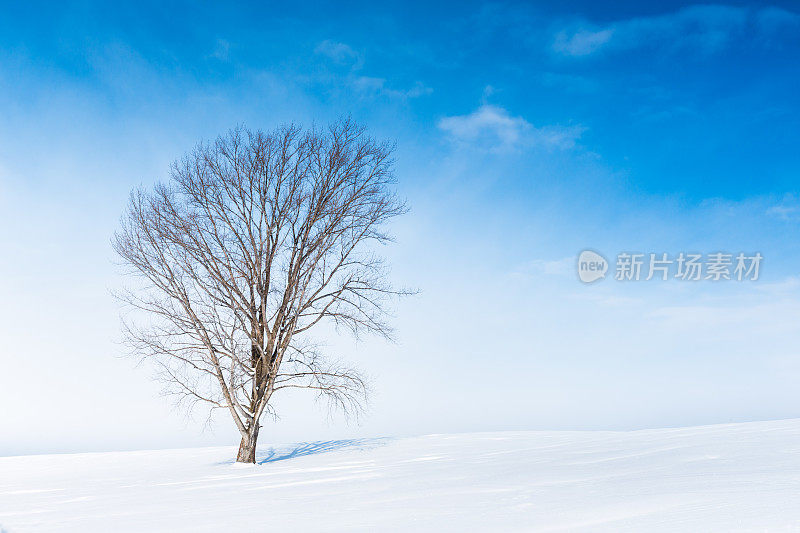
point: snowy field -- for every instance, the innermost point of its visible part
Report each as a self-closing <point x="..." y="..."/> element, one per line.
<point x="736" y="477"/>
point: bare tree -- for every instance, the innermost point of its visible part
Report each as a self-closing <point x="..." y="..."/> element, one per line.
<point x="256" y="239"/>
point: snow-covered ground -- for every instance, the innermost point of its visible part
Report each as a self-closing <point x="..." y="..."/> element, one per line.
<point x="735" y="477"/>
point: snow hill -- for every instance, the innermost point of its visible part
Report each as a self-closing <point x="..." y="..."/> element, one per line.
<point x="734" y="477"/>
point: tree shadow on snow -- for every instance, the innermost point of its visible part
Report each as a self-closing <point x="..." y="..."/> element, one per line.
<point x="282" y="453"/>
<point x="272" y="455"/>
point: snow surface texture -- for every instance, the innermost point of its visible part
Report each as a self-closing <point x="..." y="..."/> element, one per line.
<point x="735" y="477"/>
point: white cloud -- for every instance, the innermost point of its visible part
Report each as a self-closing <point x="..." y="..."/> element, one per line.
<point x="370" y="86"/>
<point x="419" y="89"/>
<point x="775" y="18"/>
<point x="556" y="267"/>
<point x="788" y="208"/>
<point x="222" y="50"/>
<point x="340" y="53"/>
<point x="581" y="42"/>
<point x="704" y="28"/>
<point x="494" y="128"/>
<point x="362" y="85"/>
<point x="729" y="320"/>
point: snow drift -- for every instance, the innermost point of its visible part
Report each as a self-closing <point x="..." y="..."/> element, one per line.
<point x="713" y="478"/>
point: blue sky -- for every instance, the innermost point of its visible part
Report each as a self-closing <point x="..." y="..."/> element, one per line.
<point x="525" y="132"/>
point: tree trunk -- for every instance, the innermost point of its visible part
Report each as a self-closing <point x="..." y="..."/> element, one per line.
<point x="247" y="448"/>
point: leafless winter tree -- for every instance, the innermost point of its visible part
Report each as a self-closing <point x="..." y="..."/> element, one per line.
<point x="255" y="239"/>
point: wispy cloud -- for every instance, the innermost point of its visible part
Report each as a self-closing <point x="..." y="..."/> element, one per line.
<point x="729" y="318"/>
<point x="775" y="18"/>
<point x="356" y="80"/>
<point x="581" y="42"/>
<point x="552" y="267"/>
<point x="495" y="128"/>
<point x="788" y="208"/>
<point x="704" y="28"/>
<point x="370" y="86"/>
<point x="222" y="50"/>
<point x="340" y="53"/>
